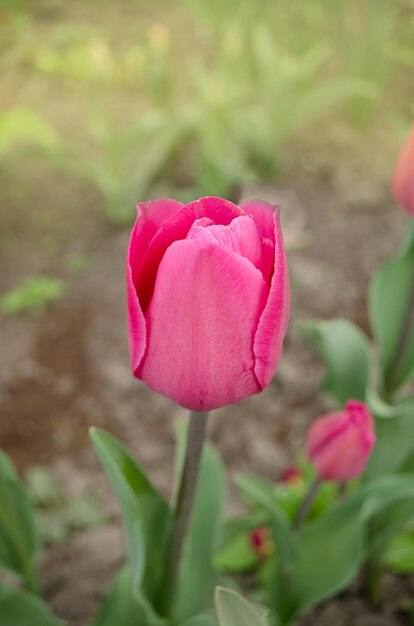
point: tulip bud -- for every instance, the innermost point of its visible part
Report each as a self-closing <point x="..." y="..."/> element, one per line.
<point x="403" y="181"/>
<point x="340" y="443"/>
<point x="291" y="475"/>
<point x="208" y="299"/>
<point x="261" y="542"/>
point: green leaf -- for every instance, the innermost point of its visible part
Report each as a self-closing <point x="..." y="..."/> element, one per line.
<point x="19" y="124"/>
<point x="331" y="549"/>
<point x="7" y="469"/>
<point x="146" y="515"/>
<point x="399" y="555"/>
<point x="199" y="620"/>
<point x="237" y="555"/>
<point x="125" y="605"/>
<point x="345" y="350"/>
<point x="388" y="300"/>
<point x="18" y="534"/>
<point x="20" y="608"/>
<point x="234" y="610"/>
<point x="197" y="575"/>
<point x="395" y="441"/>
<point x="262" y="493"/>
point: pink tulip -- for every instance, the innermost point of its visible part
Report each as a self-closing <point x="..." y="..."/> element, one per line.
<point x="260" y="540"/>
<point x="208" y="299"/>
<point x="291" y="475"/>
<point x="403" y="181"/>
<point x="339" y="444"/>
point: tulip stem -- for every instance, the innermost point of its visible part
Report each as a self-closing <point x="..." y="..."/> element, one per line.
<point x="303" y="510"/>
<point x="185" y="496"/>
<point x="403" y="343"/>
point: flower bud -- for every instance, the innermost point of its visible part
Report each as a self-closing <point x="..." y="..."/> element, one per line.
<point x="339" y="444"/>
<point x="291" y="475"/>
<point x="261" y="542"/>
<point x="403" y="181"/>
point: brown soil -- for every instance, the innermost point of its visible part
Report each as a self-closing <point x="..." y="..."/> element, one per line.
<point x="69" y="369"/>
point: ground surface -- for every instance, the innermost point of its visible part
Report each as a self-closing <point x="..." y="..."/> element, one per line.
<point x="69" y="369"/>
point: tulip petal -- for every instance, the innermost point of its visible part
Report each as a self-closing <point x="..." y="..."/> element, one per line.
<point x="240" y="236"/>
<point x="206" y="305"/>
<point x="174" y="229"/>
<point x="136" y="323"/>
<point x="337" y="447"/>
<point x="150" y="217"/>
<point x="273" y="323"/>
<point x="403" y="179"/>
<point x="262" y="212"/>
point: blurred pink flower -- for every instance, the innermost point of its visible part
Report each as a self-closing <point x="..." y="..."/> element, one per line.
<point x="339" y="444"/>
<point x="260" y="541"/>
<point x="208" y="299"/>
<point x="291" y="475"/>
<point x="403" y="181"/>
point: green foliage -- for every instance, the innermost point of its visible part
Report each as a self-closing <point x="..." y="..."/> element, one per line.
<point x="125" y="604"/>
<point x="210" y="118"/>
<point x="391" y="288"/>
<point x="399" y="555"/>
<point x="20" y="608"/>
<point x="363" y="36"/>
<point x="146" y="515"/>
<point x="58" y="513"/>
<point x="234" y="610"/>
<point x="115" y="163"/>
<point x="32" y="296"/>
<point x="18" y="533"/>
<point x="198" y="575"/>
<point x="326" y="554"/>
<point x="395" y="440"/>
<point x="345" y="350"/>
<point x="18" y="125"/>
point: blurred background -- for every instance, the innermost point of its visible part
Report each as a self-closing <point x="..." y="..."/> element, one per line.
<point x="105" y="103"/>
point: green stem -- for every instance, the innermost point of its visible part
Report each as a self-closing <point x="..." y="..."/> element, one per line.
<point x="306" y="504"/>
<point x="373" y="583"/>
<point x="185" y="498"/>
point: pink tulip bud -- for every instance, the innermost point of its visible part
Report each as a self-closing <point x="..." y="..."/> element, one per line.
<point x="340" y="443"/>
<point x="208" y="299"/>
<point x="291" y="475"/>
<point x="261" y="542"/>
<point x="403" y="181"/>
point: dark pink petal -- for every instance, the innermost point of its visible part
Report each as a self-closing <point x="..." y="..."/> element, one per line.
<point x="136" y="320"/>
<point x="201" y="324"/>
<point x="151" y="215"/>
<point x="274" y="320"/>
<point x="262" y="212"/>
<point x="174" y="229"/>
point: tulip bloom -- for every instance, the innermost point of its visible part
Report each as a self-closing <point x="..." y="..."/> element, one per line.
<point x="208" y="299"/>
<point x="403" y="181"/>
<point x="339" y="444"/>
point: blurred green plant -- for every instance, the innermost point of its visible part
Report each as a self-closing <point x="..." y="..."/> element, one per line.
<point x="212" y="120"/>
<point x="59" y="514"/>
<point x="33" y="295"/>
<point x="19" y="125"/>
<point x="363" y="35"/>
